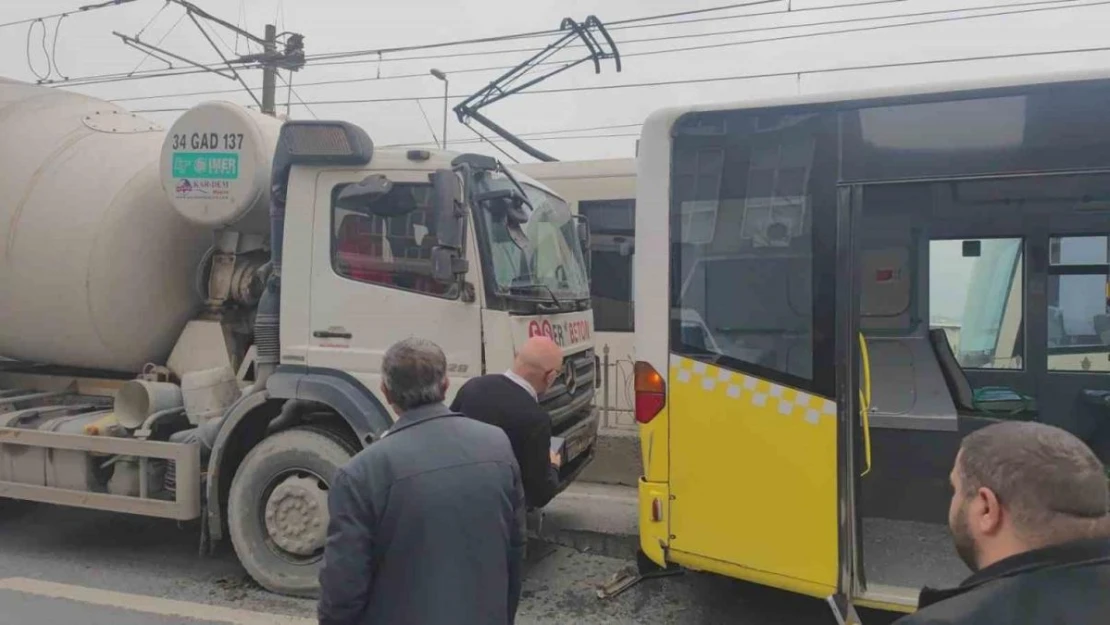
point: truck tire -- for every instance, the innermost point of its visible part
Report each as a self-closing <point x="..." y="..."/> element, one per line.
<point x="277" y="508"/>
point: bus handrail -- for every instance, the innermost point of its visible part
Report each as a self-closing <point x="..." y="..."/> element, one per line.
<point x="865" y="402"/>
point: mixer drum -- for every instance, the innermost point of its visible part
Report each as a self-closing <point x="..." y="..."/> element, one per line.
<point x="97" y="269"/>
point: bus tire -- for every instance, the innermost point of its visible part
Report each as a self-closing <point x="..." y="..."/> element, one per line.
<point x="277" y="507"/>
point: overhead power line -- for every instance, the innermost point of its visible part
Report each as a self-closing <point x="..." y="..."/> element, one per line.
<point x="714" y="79"/>
<point x="341" y="59"/>
<point x="1011" y="9"/>
<point x="517" y="36"/>
<point x="539" y="135"/>
<point x="337" y="58"/>
<point x="81" y="9"/>
<point x="733" y="43"/>
<point x="619" y="135"/>
<point x="1057" y="5"/>
<point x="1052" y="5"/>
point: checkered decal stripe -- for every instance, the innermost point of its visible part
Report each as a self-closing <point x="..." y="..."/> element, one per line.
<point x="750" y="390"/>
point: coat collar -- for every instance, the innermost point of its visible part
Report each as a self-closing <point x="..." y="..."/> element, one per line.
<point x="419" y="415"/>
<point x="1066" y="555"/>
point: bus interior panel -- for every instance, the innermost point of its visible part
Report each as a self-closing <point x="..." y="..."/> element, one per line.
<point x="969" y="320"/>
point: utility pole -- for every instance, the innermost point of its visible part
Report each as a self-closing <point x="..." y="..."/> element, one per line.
<point x="290" y="58"/>
<point x="269" y="72"/>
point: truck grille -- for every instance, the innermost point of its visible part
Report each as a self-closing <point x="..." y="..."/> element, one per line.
<point x="560" y="401"/>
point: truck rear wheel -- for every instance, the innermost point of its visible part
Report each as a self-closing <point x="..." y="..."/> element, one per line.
<point x="277" y="507"/>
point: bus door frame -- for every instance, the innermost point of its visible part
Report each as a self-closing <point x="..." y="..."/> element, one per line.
<point x="850" y="580"/>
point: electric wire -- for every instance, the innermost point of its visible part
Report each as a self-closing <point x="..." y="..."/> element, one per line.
<point x="1014" y="7"/>
<point x="612" y="26"/>
<point x="714" y="79"/>
<point x="293" y="92"/>
<point x="515" y="36"/>
<point x="109" y="78"/>
<point x="1070" y="5"/>
<point x="82" y="9"/>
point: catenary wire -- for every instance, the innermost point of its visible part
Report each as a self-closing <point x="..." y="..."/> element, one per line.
<point x="82" y="9"/>
<point x="515" y="36"/>
<point x="714" y="79"/>
<point x="1012" y="9"/>
<point x="621" y="24"/>
<point x="341" y="81"/>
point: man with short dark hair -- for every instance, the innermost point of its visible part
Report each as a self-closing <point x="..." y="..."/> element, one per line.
<point x="427" y="524"/>
<point x="1030" y="515"/>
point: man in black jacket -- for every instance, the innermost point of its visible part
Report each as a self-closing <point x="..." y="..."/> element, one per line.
<point x="510" y="401"/>
<point x="1030" y="515"/>
<point x="427" y="524"/>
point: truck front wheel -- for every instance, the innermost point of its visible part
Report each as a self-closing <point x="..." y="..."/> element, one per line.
<point x="277" y="507"/>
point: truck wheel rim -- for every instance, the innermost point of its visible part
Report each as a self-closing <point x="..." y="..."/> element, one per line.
<point x="295" y="515"/>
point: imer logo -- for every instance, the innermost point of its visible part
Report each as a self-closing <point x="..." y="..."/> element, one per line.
<point x="184" y="187"/>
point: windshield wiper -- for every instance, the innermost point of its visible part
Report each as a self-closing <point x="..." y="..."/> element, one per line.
<point x="537" y="285"/>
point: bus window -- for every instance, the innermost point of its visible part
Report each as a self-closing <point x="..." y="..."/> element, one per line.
<point x="975" y="296"/>
<point x="1078" y="324"/>
<point x="743" y="248"/>
<point x="611" y="249"/>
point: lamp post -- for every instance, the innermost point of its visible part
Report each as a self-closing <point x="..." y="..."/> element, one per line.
<point x="442" y="76"/>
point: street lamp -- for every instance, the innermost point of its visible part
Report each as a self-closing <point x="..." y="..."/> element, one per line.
<point x="442" y="76"/>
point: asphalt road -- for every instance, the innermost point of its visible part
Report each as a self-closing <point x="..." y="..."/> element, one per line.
<point x="61" y="566"/>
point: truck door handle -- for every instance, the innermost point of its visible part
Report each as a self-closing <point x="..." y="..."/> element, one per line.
<point x="328" y="334"/>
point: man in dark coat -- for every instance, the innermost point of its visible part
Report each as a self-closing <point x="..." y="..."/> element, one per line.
<point x="510" y="401"/>
<point x="1030" y="515"/>
<point x="427" y="524"/>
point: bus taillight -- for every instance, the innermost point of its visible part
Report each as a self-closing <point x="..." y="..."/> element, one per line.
<point x="651" y="392"/>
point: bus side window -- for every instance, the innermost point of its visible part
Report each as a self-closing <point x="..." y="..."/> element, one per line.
<point x="743" y="215"/>
<point x="1078" y="324"/>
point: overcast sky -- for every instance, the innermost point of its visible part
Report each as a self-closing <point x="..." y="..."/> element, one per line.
<point x="86" y="46"/>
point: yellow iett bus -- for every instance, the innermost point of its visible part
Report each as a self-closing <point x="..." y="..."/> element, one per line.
<point x="831" y="291"/>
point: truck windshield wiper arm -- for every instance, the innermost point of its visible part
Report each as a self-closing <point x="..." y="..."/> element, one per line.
<point x="539" y="286"/>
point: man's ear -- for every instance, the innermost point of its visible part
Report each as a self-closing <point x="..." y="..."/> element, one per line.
<point x="446" y="384"/>
<point x="986" y="511"/>
<point x="385" y="393"/>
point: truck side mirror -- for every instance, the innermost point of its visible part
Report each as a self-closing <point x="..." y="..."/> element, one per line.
<point x="448" y="265"/>
<point x="450" y="212"/>
<point x="360" y="195"/>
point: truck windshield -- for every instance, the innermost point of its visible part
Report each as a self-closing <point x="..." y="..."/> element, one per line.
<point x="552" y="265"/>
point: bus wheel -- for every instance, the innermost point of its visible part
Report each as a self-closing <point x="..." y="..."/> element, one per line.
<point x="277" y="507"/>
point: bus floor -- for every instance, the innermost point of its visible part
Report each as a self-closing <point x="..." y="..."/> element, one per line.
<point x="910" y="554"/>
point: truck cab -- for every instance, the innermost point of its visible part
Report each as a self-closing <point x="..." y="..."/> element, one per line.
<point x="467" y="254"/>
<point x="280" y="262"/>
<point x="377" y="245"/>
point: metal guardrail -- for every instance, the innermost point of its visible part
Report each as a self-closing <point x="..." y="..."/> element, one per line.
<point x="186" y="458"/>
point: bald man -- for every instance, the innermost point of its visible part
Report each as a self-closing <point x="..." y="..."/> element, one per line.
<point x="510" y="401"/>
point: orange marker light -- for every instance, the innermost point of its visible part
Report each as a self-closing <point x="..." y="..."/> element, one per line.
<point x="651" y="392"/>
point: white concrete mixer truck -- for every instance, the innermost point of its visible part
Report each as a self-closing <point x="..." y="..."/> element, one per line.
<point x="192" y="322"/>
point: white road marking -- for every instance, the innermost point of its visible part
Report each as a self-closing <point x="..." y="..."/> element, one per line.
<point x="150" y="605"/>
